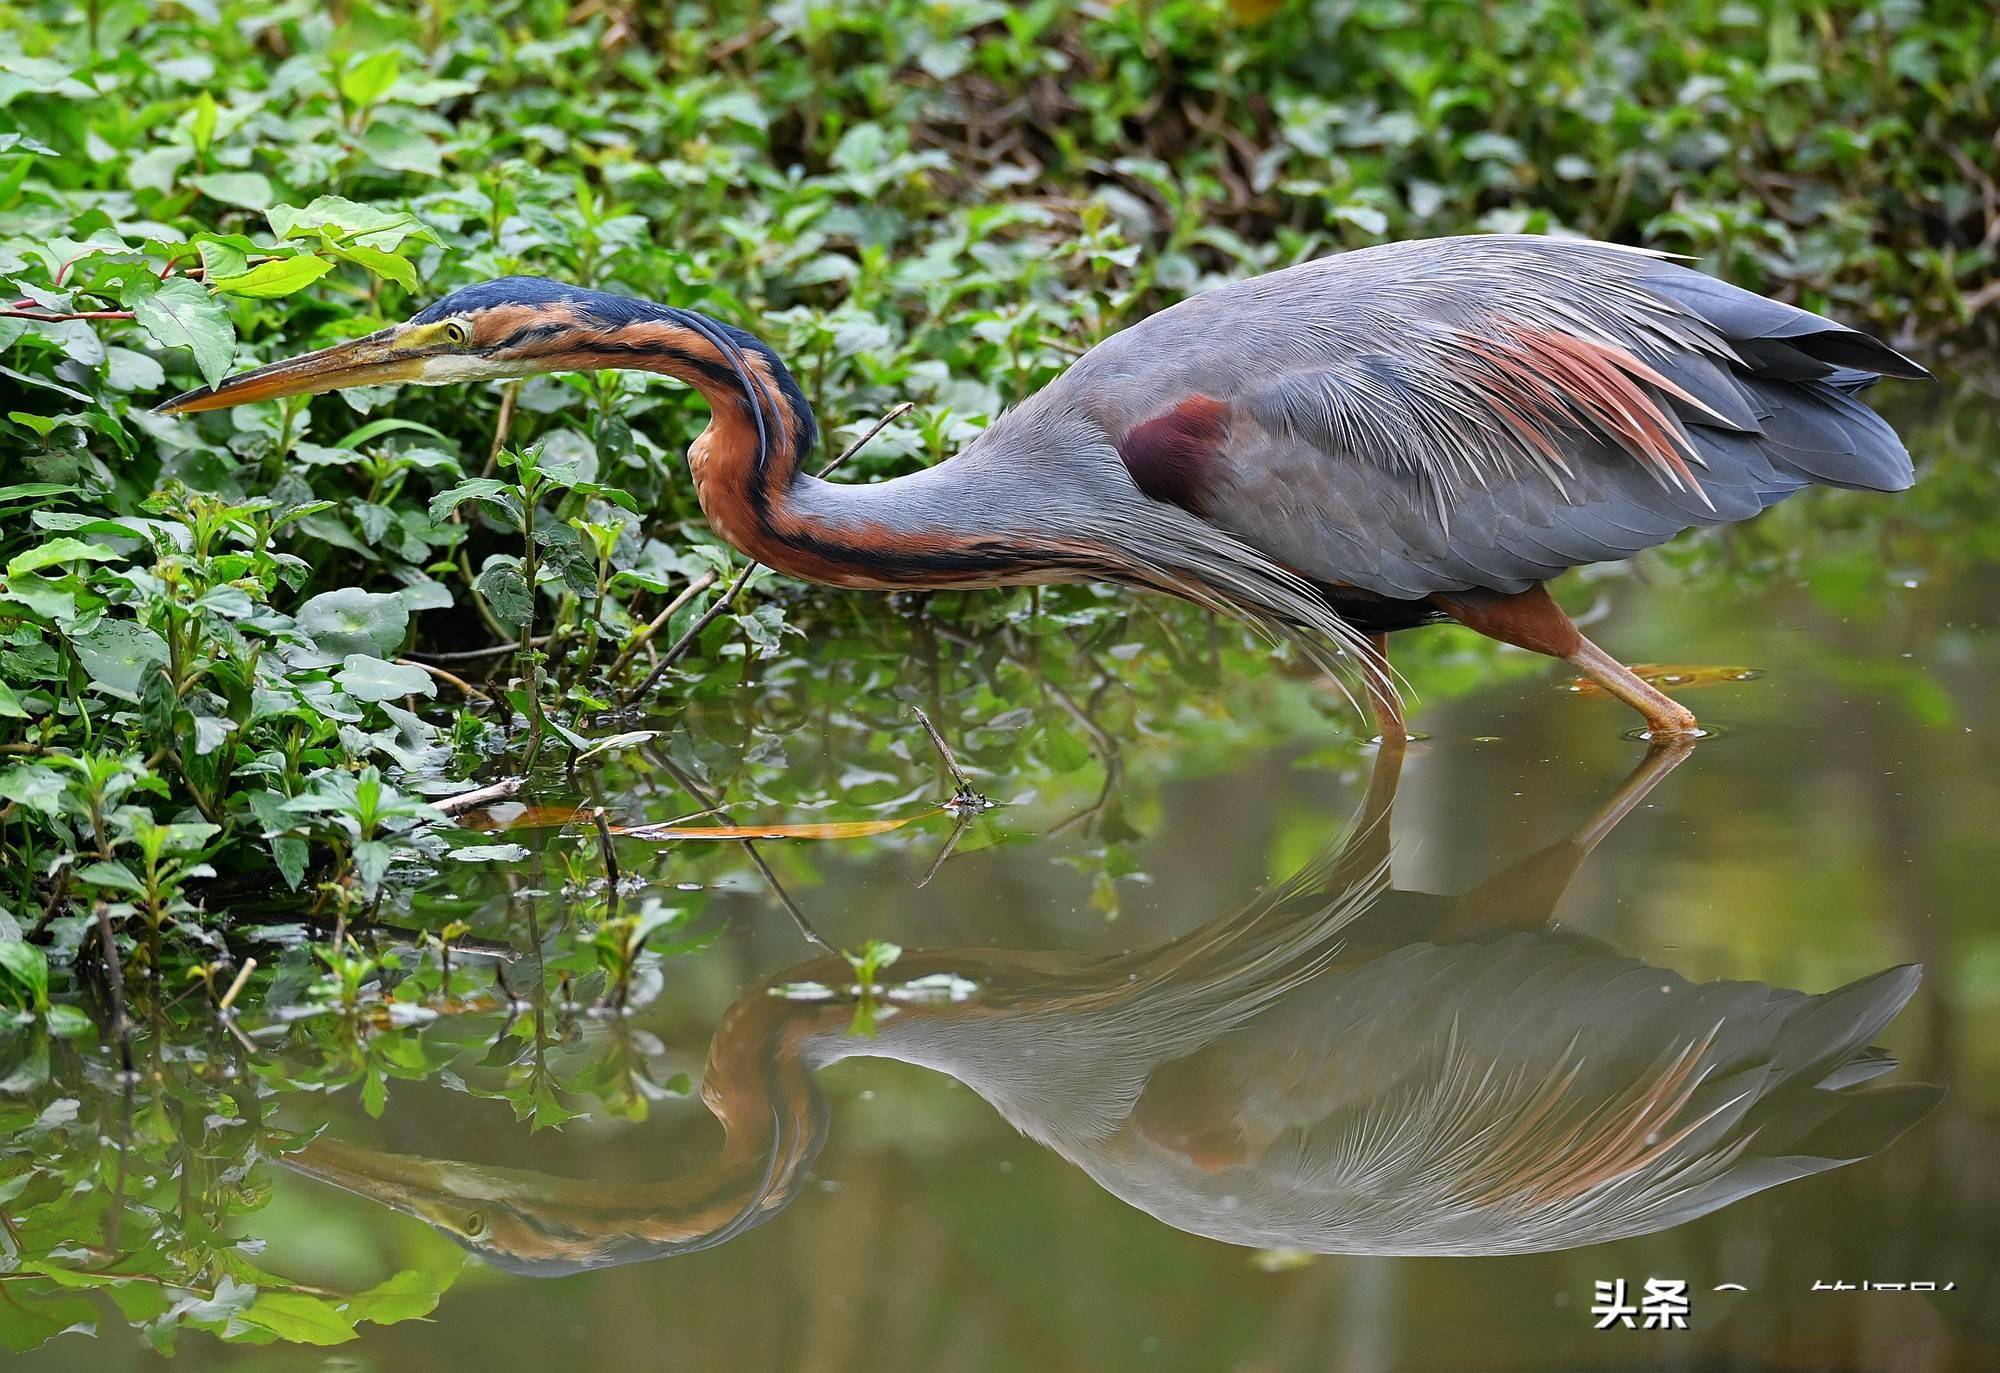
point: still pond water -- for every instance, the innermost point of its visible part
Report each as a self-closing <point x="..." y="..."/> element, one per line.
<point x="1181" y="1065"/>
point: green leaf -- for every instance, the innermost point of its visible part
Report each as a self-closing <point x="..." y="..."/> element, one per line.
<point x="24" y="972"/>
<point x="506" y="592"/>
<point x="406" y="1296"/>
<point x="382" y="264"/>
<point x="368" y="80"/>
<point x="353" y="222"/>
<point x="178" y="313"/>
<point x="113" y="875"/>
<point x="351" y="620"/>
<point x="367" y="678"/>
<point x="290" y="854"/>
<point x="116" y="654"/>
<point x="280" y="277"/>
<point x="248" y="190"/>
<point x="202" y="127"/>
<point x="298" y="1317"/>
<point x="497" y="496"/>
<point x="56" y="552"/>
<point x="33" y="491"/>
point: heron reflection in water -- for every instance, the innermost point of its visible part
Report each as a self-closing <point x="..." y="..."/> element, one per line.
<point x="1340" y="1067"/>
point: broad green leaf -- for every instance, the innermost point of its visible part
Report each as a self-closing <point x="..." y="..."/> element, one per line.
<point x="33" y="491"/>
<point x="354" y="223"/>
<point x="116" y="654"/>
<point x="178" y="313"/>
<point x="280" y="277"/>
<point x="506" y="592"/>
<point x="114" y="875"/>
<point x="351" y="620"/>
<point x="24" y="973"/>
<point x="248" y="190"/>
<point x="382" y="264"/>
<point x="299" y="1318"/>
<point x="56" y="552"/>
<point x="497" y="496"/>
<point x="368" y="80"/>
<point x="367" y="678"/>
<point x="201" y="127"/>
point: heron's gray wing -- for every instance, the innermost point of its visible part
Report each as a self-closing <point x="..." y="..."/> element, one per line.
<point x="1488" y="411"/>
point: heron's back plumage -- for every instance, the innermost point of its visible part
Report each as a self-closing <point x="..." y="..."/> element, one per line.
<point x="1479" y="412"/>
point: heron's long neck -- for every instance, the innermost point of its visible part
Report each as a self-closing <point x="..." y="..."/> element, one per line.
<point x="945" y="526"/>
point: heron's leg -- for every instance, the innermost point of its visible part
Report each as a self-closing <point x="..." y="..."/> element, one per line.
<point x="1666" y="718"/>
<point x="1530" y="619"/>
<point x="1367" y="846"/>
<point x="1382" y="697"/>
<point x="1523" y="895"/>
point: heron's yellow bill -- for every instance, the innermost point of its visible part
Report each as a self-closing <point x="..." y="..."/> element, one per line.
<point x="371" y="361"/>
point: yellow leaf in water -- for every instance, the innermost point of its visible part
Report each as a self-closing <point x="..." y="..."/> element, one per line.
<point x="1672" y="677"/>
<point x="826" y="829"/>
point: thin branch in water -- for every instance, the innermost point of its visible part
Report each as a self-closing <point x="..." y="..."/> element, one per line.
<point x="236" y="986"/>
<point x="478" y="796"/>
<point x="609" y="853"/>
<point x="950" y="843"/>
<point x="965" y="797"/>
<point x="114" y="980"/>
<point x="700" y="793"/>
<point x="448" y="678"/>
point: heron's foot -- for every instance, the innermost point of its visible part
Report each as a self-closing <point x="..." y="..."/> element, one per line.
<point x="1666" y="718"/>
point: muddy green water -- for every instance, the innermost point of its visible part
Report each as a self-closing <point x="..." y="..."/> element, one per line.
<point x="1141" y="1081"/>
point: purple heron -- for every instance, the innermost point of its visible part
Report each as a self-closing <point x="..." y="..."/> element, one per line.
<point x="1382" y="439"/>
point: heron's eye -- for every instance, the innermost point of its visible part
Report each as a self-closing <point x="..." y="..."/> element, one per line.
<point x="475" y="1226"/>
<point x="456" y="334"/>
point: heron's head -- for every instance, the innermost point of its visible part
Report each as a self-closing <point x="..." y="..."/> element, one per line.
<point x="529" y="1223"/>
<point x="511" y="327"/>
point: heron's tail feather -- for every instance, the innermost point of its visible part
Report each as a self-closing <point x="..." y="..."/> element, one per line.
<point x="1798" y="373"/>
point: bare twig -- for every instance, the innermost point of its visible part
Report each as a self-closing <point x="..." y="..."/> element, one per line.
<point x="466" y="655"/>
<point x="609" y="853"/>
<point x="965" y="797"/>
<point x="950" y="843"/>
<point x="714" y="612"/>
<point x="895" y="413"/>
<point x="449" y="678"/>
<point x="659" y="621"/>
<point x="700" y="793"/>
<point x="693" y="632"/>
<point x="236" y="985"/>
<point x="478" y="796"/>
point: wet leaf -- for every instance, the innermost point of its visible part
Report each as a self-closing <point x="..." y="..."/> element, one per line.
<point x="116" y="654"/>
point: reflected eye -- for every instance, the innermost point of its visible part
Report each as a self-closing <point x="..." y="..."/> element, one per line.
<point x="475" y="1226"/>
<point x="456" y="334"/>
